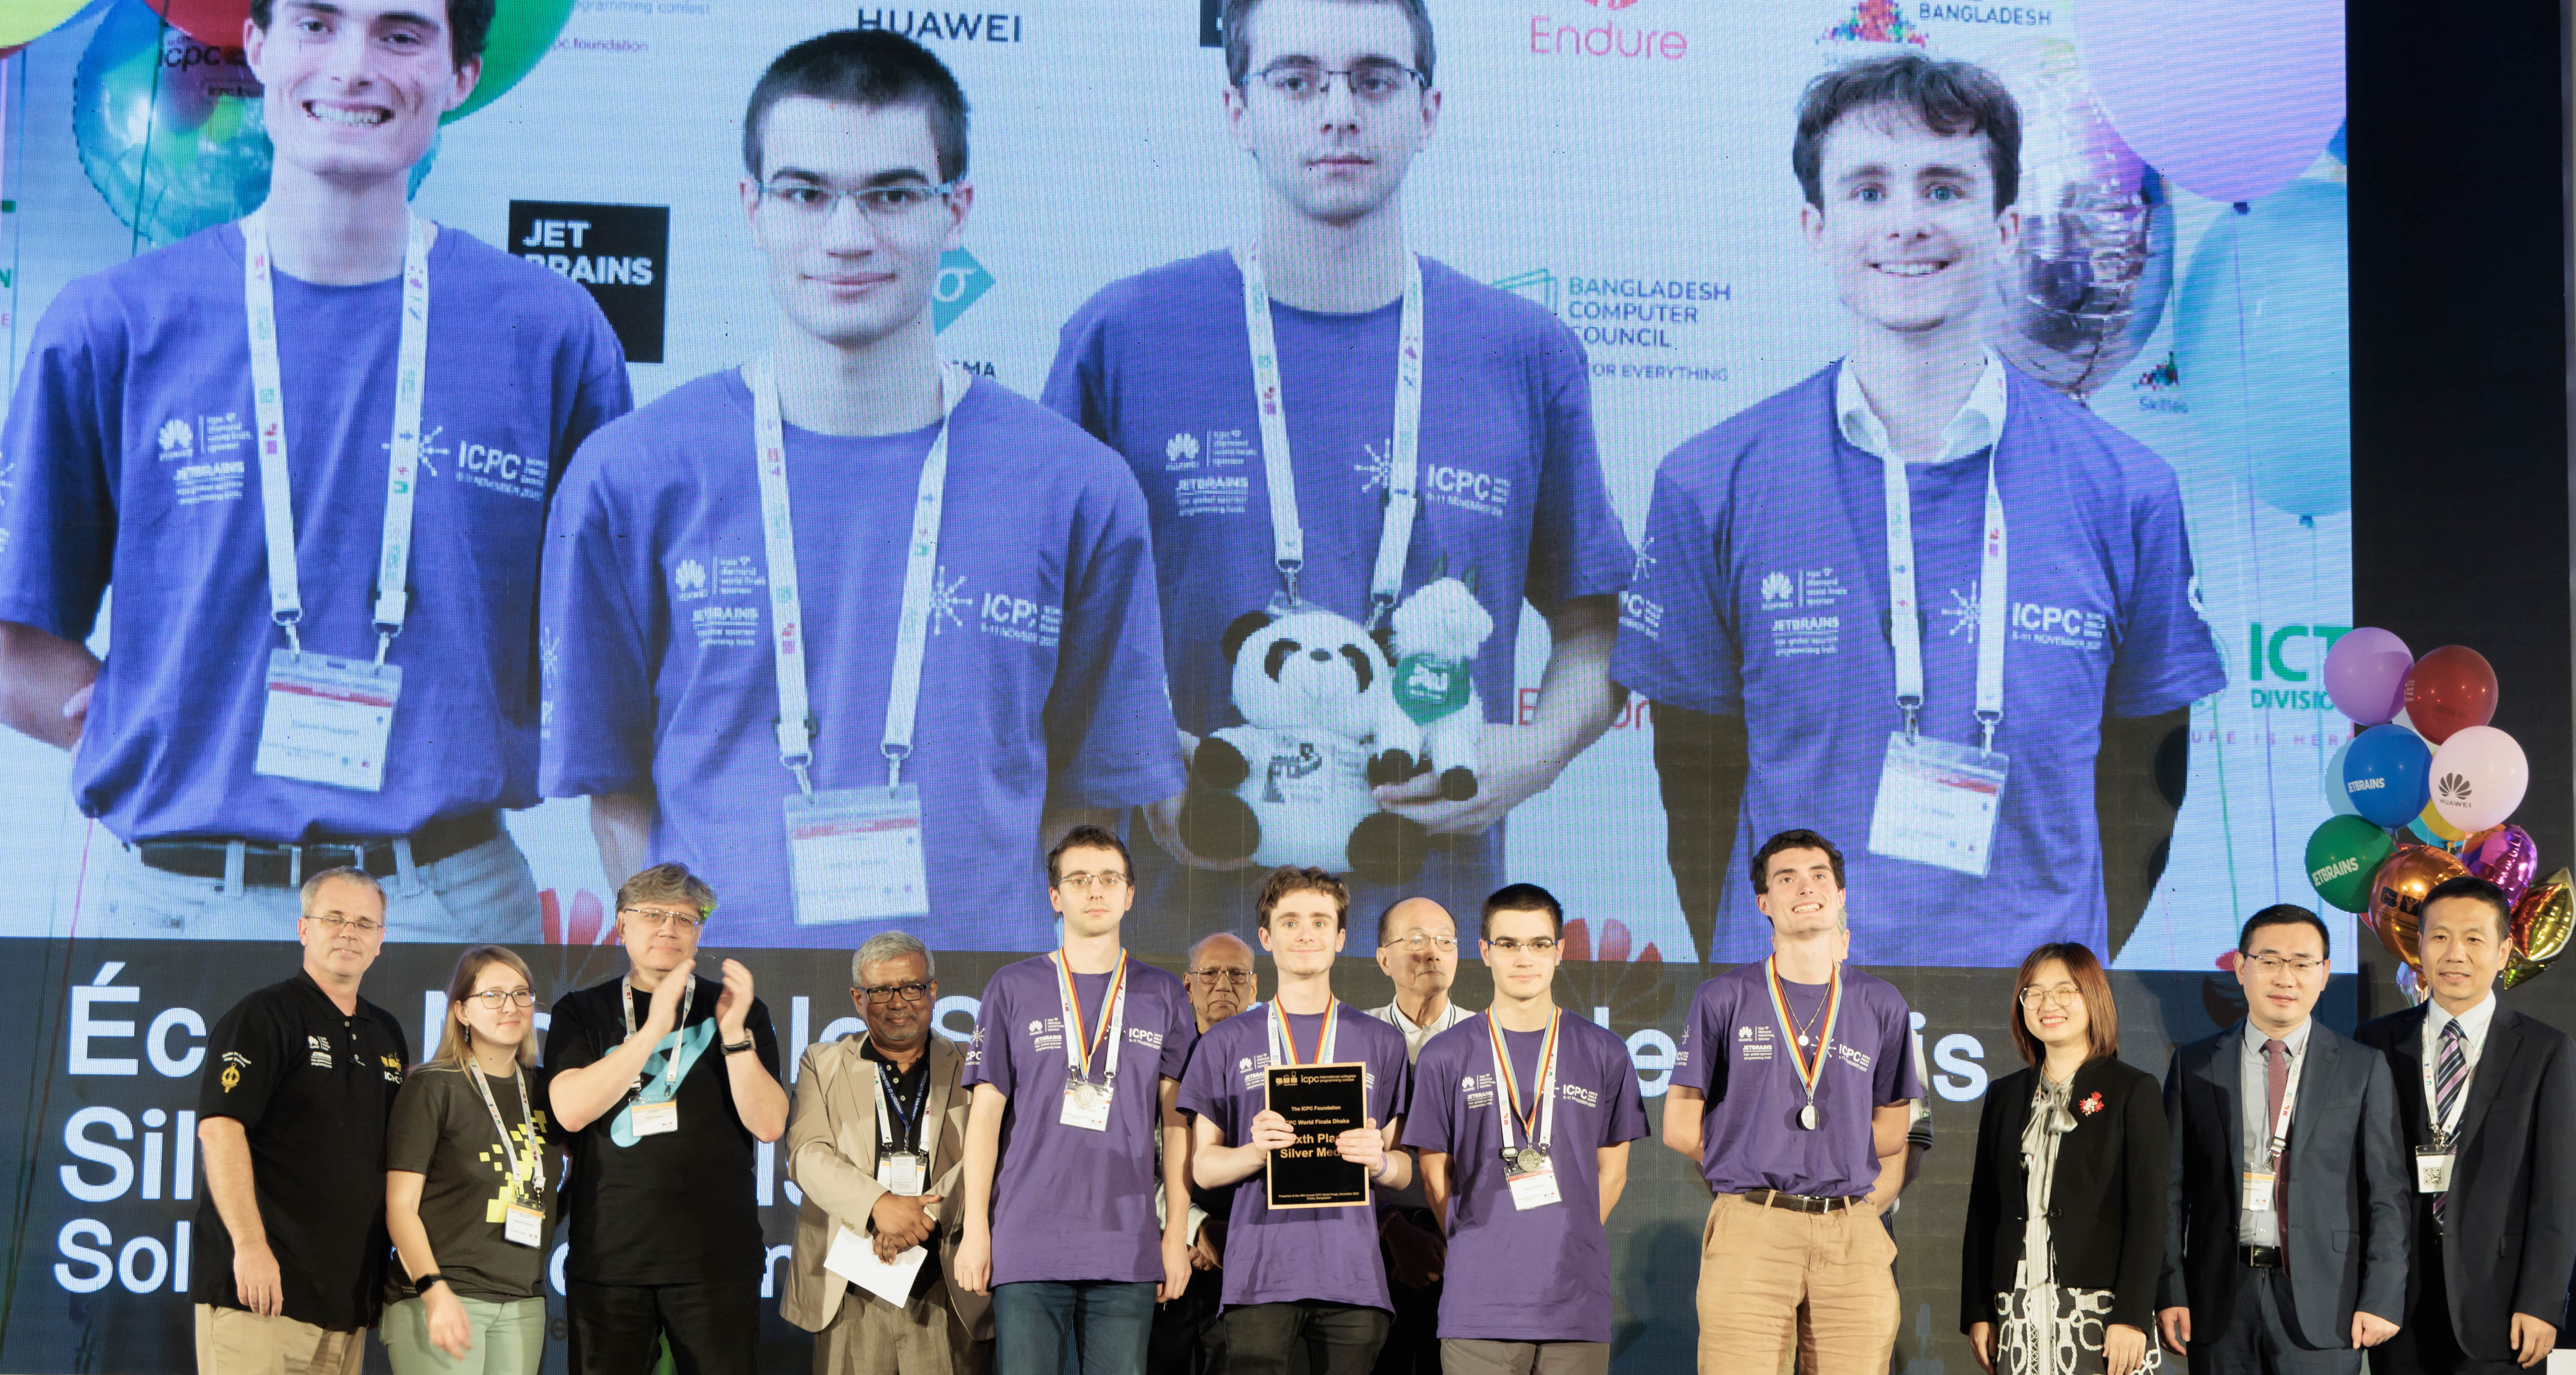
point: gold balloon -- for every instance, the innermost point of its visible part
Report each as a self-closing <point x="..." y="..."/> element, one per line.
<point x="2397" y="895"/>
<point x="2520" y="968"/>
<point x="2544" y="918"/>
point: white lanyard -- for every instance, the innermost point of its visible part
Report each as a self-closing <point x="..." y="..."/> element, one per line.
<point x="2443" y="1125"/>
<point x="1283" y="1042"/>
<point x="1287" y="531"/>
<point x="1511" y="1094"/>
<point x="509" y="1148"/>
<point x="886" y="1140"/>
<point x="1905" y="627"/>
<point x="1078" y="1045"/>
<point x="786" y="611"/>
<point x="2289" y="1095"/>
<point x="402" y="466"/>
<point x="626" y="1007"/>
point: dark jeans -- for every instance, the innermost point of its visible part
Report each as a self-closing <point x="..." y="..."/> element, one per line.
<point x="1337" y="1338"/>
<point x="1189" y="1335"/>
<point x="1102" y="1325"/>
<point x="612" y="1329"/>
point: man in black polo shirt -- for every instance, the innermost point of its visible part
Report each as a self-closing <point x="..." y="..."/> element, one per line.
<point x="299" y="1079"/>
<point x="666" y="1082"/>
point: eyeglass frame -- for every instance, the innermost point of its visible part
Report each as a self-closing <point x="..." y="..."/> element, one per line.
<point x="364" y="926"/>
<point x="889" y="995"/>
<point x="511" y="997"/>
<point x="1108" y="881"/>
<point x="660" y="919"/>
<point x="2273" y="964"/>
<point x="2061" y="995"/>
<point x="1536" y="945"/>
<point x="937" y="192"/>
<point x="1224" y="976"/>
<point x="1324" y="76"/>
<point x="1414" y="940"/>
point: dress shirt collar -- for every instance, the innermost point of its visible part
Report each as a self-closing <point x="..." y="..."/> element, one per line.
<point x="1977" y="425"/>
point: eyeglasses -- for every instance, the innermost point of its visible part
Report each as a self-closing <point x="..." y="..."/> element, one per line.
<point x="364" y="926"/>
<point x="666" y="918"/>
<point x="912" y="991"/>
<point x="2064" y="995"/>
<point x="493" y="999"/>
<point x="1372" y="82"/>
<point x="1109" y="882"/>
<point x="1419" y="941"/>
<point x="815" y="202"/>
<point x="1223" y="976"/>
<point x="1505" y="945"/>
<point x="2274" y="964"/>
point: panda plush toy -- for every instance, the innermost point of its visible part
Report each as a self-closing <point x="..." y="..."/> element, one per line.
<point x="1322" y="727"/>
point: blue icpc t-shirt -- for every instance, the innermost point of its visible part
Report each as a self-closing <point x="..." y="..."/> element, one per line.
<point x="1761" y="591"/>
<point x="1159" y="366"/>
<point x="132" y="462"/>
<point x="1042" y="682"/>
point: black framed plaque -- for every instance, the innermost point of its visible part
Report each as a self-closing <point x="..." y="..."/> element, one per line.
<point x="1320" y="1102"/>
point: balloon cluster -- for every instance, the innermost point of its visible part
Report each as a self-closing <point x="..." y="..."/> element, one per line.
<point x="2421" y="795"/>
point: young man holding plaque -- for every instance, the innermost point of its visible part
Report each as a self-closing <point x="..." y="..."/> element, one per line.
<point x="1060" y="1154"/>
<point x="1303" y="1272"/>
<point x="1790" y="1089"/>
<point x="1524" y="1124"/>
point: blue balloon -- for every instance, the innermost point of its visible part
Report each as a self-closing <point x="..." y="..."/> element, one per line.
<point x="2385" y="774"/>
<point x="2262" y="336"/>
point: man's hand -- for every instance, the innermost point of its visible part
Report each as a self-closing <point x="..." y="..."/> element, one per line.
<point x="1203" y="1252"/>
<point x="1163" y="820"/>
<point x="901" y="1223"/>
<point x="2124" y="1349"/>
<point x="1981" y="1344"/>
<point x="1271" y="1132"/>
<point x="975" y="1260"/>
<point x="2175" y="1325"/>
<point x="449" y="1329"/>
<point x="2369" y="1329"/>
<point x="1176" y="1269"/>
<point x="2532" y="1339"/>
<point x="733" y="1005"/>
<point x="1516" y="765"/>
<point x="256" y="1281"/>
<point x="1414" y="1257"/>
<point x="663" y="1013"/>
<point x="1362" y="1145"/>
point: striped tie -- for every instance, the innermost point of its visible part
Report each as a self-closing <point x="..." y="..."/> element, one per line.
<point x="2450" y="1076"/>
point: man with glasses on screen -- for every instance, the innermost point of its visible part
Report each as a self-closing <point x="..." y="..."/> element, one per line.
<point x="299" y="1082"/>
<point x="876" y="1140"/>
<point x="1417" y="947"/>
<point x="1405" y="422"/>
<point x="2046" y="642"/>
<point x="974" y="663"/>
<point x="311" y="451"/>
<point x="666" y="1081"/>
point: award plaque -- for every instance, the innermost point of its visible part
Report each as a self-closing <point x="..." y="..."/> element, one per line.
<point x="1320" y="1102"/>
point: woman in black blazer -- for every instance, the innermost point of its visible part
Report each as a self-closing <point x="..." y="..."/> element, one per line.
<point x="2066" y="1214"/>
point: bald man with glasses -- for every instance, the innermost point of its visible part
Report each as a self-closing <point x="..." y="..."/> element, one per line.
<point x="1418" y="949"/>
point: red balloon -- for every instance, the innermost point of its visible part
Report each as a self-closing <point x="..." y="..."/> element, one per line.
<point x="217" y="23"/>
<point x="2450" y="690"/>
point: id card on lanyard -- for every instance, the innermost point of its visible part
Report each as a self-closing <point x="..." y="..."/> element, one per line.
<point x="903" y="1164"/>
<point x="330" y="720"/>
<point x="2433" y="1162"/>
<point x="854" y="854"/>
<point x="523" y="1221"/>
<point x="1529" y="1169"/>
<point x="1937" y="801"/>
<point x="660" y="1115"/>
<point x="1086" y="1101"/>
<point x="1403" y="468"/>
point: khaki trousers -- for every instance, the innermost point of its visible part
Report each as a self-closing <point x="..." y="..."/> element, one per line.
<point x="1773" y="1282"/>
<point x="234" y="1341"/>
<point x="869" y="1336"/>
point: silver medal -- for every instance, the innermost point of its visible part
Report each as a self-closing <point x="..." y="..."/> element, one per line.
<point x="1807" y="1117"/>
<point x="1532" y="1160"/>
<point x="1086" y="1095"/>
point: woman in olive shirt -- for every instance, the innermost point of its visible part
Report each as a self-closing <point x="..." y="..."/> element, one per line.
<point x="468" y="1178"/>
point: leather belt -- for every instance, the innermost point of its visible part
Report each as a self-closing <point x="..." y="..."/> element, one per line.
<point x="2260" y="1257"/>
<point x="1796" y="1203"/>
<point x="268" y="864"/>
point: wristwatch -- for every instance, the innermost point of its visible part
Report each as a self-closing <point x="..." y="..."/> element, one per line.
<point x="420" y="1283"/>
<point x="737" y="1047"/>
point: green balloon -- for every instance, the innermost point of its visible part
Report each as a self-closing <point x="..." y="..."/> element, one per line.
<point x="2343" y="854"/>
<point x="523" y="31"/>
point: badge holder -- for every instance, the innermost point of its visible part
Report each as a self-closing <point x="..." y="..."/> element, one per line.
<point x="524" y="1226"/>
<point x="856" y="855"/>
<point x="2258" y="1191"/>
<point x="2433" y="1169"/>
<point x="1937" y="803"/>
<point x="656" y="1119"/>
<point x="327" y="720"/>
<point x="906" y="1173"/>
<point x="1532" y="1177"/>
<point x="1086" y="1104"/>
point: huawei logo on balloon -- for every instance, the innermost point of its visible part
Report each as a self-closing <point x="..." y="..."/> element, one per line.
<point x="2451" y="787"/>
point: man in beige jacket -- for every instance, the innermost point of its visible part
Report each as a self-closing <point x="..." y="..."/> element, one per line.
<point x="876" y="1140"/>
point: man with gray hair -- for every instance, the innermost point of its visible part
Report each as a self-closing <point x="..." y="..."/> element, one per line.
<point x="300" y="1078"/>
<point x="876" y="1139"/>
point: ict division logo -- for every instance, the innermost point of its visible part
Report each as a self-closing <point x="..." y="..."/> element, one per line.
<point x="619" y="253"/>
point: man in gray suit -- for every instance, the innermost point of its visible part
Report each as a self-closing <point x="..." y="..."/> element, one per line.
<point x="2286" y="1209"/>
<point x="2485" y="1096"/>
<point x="876" y="1140"/>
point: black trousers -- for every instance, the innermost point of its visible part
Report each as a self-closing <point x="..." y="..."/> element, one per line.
<point x="1336" y="1338"/>
<point x="2426" y="1345"/>
<point x="613" y="1328"/>
<point x="1189" y="1336"/>
<point x="1413" y="1343"/>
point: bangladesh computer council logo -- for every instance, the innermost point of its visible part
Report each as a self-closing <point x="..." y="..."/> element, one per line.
<point x="962" y="282"/>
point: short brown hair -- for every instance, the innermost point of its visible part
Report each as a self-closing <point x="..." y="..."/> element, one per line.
<point x="669" y="882"/>
<point x="1799" y="839"/>
<point x="2101" y="1012"/>
<point x="1233" y="26"/>
<point x="1089" y="837"/>
<point x="456" y="1042"/>
<point x="469" y="25"/>
<point x="872" y="69"/>
<point x="1522" y="897"/>
<point x="1289" y="878"/>
<point x="1950" y="98"/>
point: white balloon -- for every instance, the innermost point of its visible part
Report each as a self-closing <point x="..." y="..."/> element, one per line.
<point x="2479" y="777"/>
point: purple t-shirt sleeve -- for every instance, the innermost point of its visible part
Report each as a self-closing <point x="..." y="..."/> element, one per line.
<point x="1180" y="1030"/>
<point x="988" y="1054"/>
<point x="1073" y="383"/>
<point x="1205" y="1090"/>
<point x="1626" y="1119"/>
<point x="1394" y="1080"/>
<point x="1674" y="643"/>
<point x="599" y="717"/>
<point x="603" y="394"/>
<point x="1892" y="1077"/>
<point x="1576" y="548"/>
<point x="1699" y="1062"/>
<point x="57" y="509"/>
<point x="1430" y="1125"/>
<point x="2166" y="659"/>
<point x="1110" y="737"/>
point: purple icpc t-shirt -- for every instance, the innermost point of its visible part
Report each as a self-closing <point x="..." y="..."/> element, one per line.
<point x="1734" y="1051"/>
<point x="1041" y="683"/>
<point x="1301" y="1254"/>
<point x="1542" y="1274"/>
<point x="131" y="461"/>
<point x="1159" y="367"/>
<point x="1761" y="592"/>
<point x="1070" y="1203"/>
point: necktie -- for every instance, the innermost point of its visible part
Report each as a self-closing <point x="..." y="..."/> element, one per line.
<point x="2450" y="1079"/>
<point x="2276" y="1081"/>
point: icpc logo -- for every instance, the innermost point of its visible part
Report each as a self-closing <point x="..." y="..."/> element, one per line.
<point x="962" y="282"/>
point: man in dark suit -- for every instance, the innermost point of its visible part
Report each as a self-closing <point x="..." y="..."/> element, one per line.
<point x="2285" y="1214"/>
<point x="2490" y="1093"/>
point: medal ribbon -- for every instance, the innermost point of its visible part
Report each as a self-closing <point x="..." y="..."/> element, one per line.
<point x="1539" y="1123"/>
<point x="1283" y="1041"/>
<point x="1808" y="1070"/>
<point x="1077" y="1034"/>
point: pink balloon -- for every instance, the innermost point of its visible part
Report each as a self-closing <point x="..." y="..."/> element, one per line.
<point x="2232" y="100"/>
<point x="2479" y="777"/>
<point x="2365" y="674"/>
